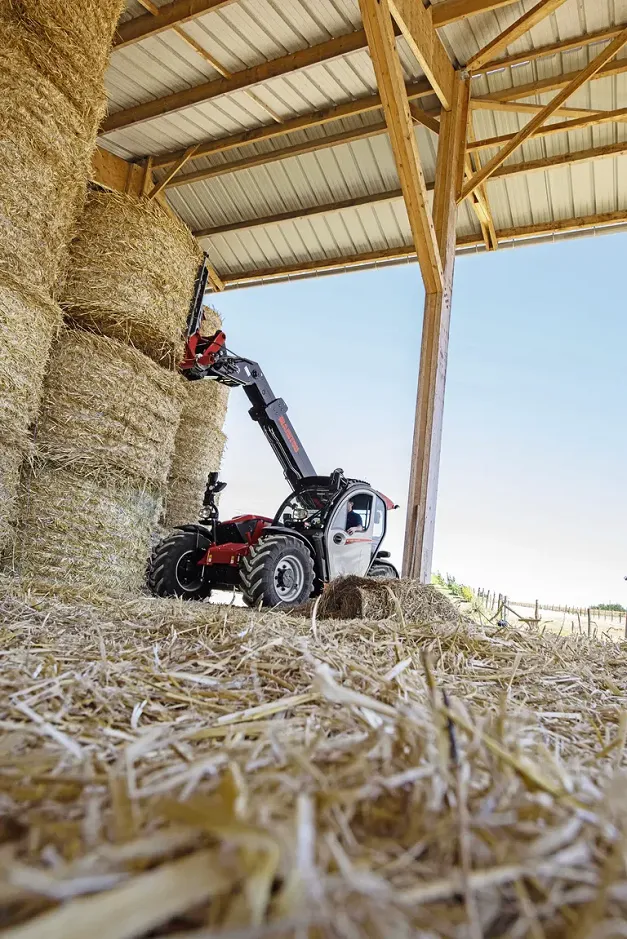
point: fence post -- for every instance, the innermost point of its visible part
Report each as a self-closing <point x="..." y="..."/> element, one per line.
<point x="589" y="623"/>
<point x="537" y="612"/>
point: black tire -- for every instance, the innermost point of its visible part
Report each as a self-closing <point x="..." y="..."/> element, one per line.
<point x="278" y="571"/>
<point x="173" y="570"/>
<point x="383" y="570"/>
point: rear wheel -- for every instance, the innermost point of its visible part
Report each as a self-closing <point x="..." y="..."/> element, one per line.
<point x="383" y="570"/>
<point x="174" y="570"/>
<point x="279" y="570"/>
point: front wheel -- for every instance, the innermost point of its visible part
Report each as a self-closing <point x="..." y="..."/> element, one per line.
<point x="383" y="570"/>
<point x="174" y="569"/>
<point x="278" y="570"/>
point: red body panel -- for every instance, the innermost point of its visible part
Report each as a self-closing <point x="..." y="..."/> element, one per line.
<point x="231" y="553"/>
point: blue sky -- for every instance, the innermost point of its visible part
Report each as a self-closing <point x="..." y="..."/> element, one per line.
<point x="532" y="485"/>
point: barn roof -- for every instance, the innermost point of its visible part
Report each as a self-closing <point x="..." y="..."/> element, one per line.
<point x="294" y="172"/>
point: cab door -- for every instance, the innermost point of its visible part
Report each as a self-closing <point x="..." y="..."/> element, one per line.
<point x="350" y="553"/>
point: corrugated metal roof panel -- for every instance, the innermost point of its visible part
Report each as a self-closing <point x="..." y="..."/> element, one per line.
<point x="246" y="33"/>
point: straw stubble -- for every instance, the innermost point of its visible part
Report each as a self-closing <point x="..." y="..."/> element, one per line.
<point x="371" y="779"/>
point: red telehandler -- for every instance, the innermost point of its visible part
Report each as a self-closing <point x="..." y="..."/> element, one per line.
<point x="328" y="526"/>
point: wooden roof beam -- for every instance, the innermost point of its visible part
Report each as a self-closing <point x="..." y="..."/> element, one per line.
<point x="563" y="127"/>
<point x="520" y="107"/>
<point x="362" y="133"/>
<point x="450" y="11"/>
<point x="580" y="79"/>
<point x="363" y="105"/>
<point x="508" y="95"/>
<point x="562" y="226"/>
<point x="554" y="48"/>
<point x="177" y="101"/>
<point x="377" y="20"/>
<point x="416" y="24"/>
<point x="522" y="25"/>
<point x="169" y="15"/>
<point x="297" y="214"/>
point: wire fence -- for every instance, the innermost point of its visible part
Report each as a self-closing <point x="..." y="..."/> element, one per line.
<point x="583" y="619"/>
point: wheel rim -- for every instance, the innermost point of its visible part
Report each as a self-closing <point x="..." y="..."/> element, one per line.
<point x="289" y="577"/>
<point x="188" y="573"/>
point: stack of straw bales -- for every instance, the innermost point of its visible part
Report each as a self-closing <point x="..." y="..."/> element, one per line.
<point x="199" y="443"/>
<point x="52" y="62"/>
<point x="112" y="402"/>
<point x="104" y="442"/>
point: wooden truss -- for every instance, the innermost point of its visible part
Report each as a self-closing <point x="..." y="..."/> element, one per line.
<point x="466" y="165"/>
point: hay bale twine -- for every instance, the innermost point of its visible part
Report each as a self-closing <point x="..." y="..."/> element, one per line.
<point x="84" y="532"/>
<point x="109" y="411"/>
<point x="70" y="44"/>
<point x="372" y="599"/>
<point x="132" y="274"/>
<point x="45" y="160"/>
<point x="28" y="324"/>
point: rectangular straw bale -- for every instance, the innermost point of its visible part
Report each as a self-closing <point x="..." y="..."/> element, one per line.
<point x="45" y="159"/>
<point x="10" y="462"/>
<point x="108" y="411"/>
<point x="28" y="324"/>
<point x="70" y="44"/>
<point x="80" y="531"/>
<point x="198" y="450"/>
<point x="132" y="274"/>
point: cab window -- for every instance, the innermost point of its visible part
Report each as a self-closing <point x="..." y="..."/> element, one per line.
<point x="378" y="527"/>
<point x="362" y="506"/>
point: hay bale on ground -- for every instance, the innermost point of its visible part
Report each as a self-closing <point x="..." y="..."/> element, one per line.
<point x="108" y="410"/>
<point x="132" y="274"/>
<point x="198" y="450"/>
<point x="70" y="44"/>
<point x="28" y="324"/>
<point x="85" y="532"/>
<point x="45" y="160"/>
<point x="371" y="599"/>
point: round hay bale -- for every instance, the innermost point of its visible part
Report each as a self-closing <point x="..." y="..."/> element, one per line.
<point x="70" y="44"/>
<point x="371" y="599"/>
<point x="132" y="274"/>
<point x="108" y="410"/>
<point x="10" y="464"/>
<point x="198" y="450"/>
<point x="45" y="160"/>
<point x="80" y="531"/>
<point x="28" y="324"/>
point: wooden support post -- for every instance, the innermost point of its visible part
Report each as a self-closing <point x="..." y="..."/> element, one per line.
<point x="423" y="485"/>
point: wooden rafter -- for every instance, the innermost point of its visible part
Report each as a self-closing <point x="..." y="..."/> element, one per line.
<point x="171" y="14"/>
<point x="322" y="52"/>
<point x="264" y="159"/>
<point x="602" y="221"/>
<point x="563" y="127"/>
<point x="208" y="57"/>
<point x="416" y="24"/>
<point x="479" y="198"/>
<point x="520" y="107"/>
<point x="522" y="25"/>
<point x="507" y="95"/>
<point x="382" y="44"/>
<point x="607" y="151"/>
<point x="363" y="105"/>
<point x="296" y="214"/>
<point x="554" y="48"/>
<point x="450" y="11"/>
<point x="424" y="118"/>
<point x="582" y="77"/>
